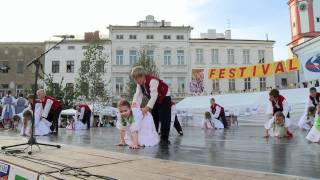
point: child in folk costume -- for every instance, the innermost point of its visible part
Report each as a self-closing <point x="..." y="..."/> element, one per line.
<point x="27" y="123"/>
<point x="277" y="103"/>
<point x="314" y="133"/>
<point x="159" y="103"/>
<point x="278" y="127"/>
<point x="41" y="125"/>
<point x="218" y="112"/>
<point x="83" y="115"/>
<point x="8" y="109"/>
<point x="21" y="104"/>
<point x="211" y="123"/>
<point x="135" y="128"/>
<point x="314" y="98"/>
<point x="17" y="122"/>
<point x="174" y="119"/>
<point x="307" y="120"/>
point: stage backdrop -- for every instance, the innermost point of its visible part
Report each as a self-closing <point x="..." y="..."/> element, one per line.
<point x="258" y="70"/>
<point x="196" y="84"/>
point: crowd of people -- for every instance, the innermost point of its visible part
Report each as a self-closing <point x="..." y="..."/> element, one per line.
<point x="150" y="125"/>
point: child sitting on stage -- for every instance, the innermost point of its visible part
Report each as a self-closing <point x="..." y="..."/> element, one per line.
<point x="26" y="127"/>
<point x="135" y="129"/>
<point x="211" y="123"/>
<point x="307" y="120"/>
<point x="314" y="133"/>
<point x="278" y="126"/>
<point x="16" y="124"/>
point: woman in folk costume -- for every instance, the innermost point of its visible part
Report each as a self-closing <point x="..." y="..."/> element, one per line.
<point x="174" y="119"/>
<point x="83" y="115"/>
<point x="307" y="120"/>
<point x="314" y="133"/>
<point x="277" y="103"/>
<point x="41" y="125"/>
<point x="279" y="127"/>
<point x="136" y="129"/>
<point x="8" y="108"/>
<point x="218" y="112"/>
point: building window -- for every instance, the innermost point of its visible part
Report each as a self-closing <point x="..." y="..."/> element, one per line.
<point x="284" y="82"/>
<point x="133" y="57"/>
<point x="6" y="51"/>
<point x="167" y="37"/>
<point x="247" y="83"/>
<point x="100" y="66"/>
<point x="71" y="47"/>
<point x="167" y="57"/>
<point x="57" y="48"/>
<point x="132" y="36"/>
<point x="215" y="56"/>
<point x="69" y="88"/>
<point x="55" y="68"/>
<point x="119" y="85"/>
<point x="4" y="64"/>
<point x="85" y="66"/>
<point x="246" y="56"/>
<point x="150" y="54"/>
<point x="230" y="56"/>
<point x="70" y="66"/>
<point x="261" y="56"/>
<point x="20" y="66"/>
<point x="232" y="85"/>
<point x="85" y="47"/>
<point x="180" y="37"/>
<point x="119" y="37"/>
<point x="100" y="47"/>
<point x="318" y="19"/>
<point x="181" y="85"/>
<point x="119" y="57"/>
<point x="150" y="36"/>
<point x="19" y="89"/>
<point x="4" y="88"/>
<point x="199" y="53"/>
<point x="215" y="85"/>
<point x="168" y="81"/>
<point x="180" y="57"/>
<point x="263" y="84"/>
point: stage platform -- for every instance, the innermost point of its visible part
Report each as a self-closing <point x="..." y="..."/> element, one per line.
<point x="196" y="155"/>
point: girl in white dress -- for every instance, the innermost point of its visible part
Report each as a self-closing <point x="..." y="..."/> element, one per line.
<point x="211" y="123"/>
<point x="314" y="133"/>
<point x="278" y="126"/>
<point x="136" y="130"/>
<point x="307" y="120"/>
<point x="41" y="125"/>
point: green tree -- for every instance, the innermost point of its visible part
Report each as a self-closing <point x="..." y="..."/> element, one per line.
<point x="90" y="84"/>
<point x="150" y="67"/>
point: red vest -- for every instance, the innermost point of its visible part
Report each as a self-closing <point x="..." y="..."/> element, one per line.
<point x="214" y="106"/>
<point x="162" y="88"/>
<point x="86" y="107"/>
<point x="280" y="103"/>
<point x="315" y="100"/>
<point x="56" y="105"/>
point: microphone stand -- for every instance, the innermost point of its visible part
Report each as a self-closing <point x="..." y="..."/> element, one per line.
<point x="32" y="140"/>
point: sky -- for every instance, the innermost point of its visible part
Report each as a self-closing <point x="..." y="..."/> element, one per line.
<point x="38" y="20"/>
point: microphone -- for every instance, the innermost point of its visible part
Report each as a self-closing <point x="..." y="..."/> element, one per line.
<point x="64" y="36"/>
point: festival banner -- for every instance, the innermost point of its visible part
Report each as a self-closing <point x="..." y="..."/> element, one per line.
<point x="196" y="84"/>
<point x="310" y="63"/>
<point x="258" y="70"/>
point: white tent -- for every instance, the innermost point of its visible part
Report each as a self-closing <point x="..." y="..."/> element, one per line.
<point x="68" y="112"/>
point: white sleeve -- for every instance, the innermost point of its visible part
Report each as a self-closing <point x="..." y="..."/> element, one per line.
<point x="137" y="98"/>
<point x="153" y="93"/>
<point x="82" y="113"/>
<point x="47" y="108"/>
<point x="217" y="113"/>
<point x="286" y="108"/>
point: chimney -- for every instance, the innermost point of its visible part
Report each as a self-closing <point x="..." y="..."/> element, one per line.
<point x="162" y="23"/>
<point x="91" y="36"/>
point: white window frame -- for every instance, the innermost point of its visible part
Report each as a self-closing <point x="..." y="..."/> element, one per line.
<point x="133" y="57"/>
<point x="199" y="56"/>
<point x="167" y="57"/>
<point x="230" y="54"/>
<point x="119" y="57"/>
<point x="246" y="56"/>
<point x="180" y="57"/>
<point x="215" y="56"/>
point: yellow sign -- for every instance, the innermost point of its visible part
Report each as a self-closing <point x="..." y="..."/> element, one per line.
<point x="259" y="70"/>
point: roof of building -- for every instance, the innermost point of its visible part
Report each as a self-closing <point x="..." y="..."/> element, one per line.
<point x="223" y="39"/>
<point x="308" y="42"/>
<point x="148" y="27"/>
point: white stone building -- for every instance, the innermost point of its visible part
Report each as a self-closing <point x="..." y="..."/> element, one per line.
<point x="64" y="61"/>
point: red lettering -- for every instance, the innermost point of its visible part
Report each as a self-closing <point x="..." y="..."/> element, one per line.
<point x="221" y="73"/>
<point x="279" y="68"/>
<point x="212" y="73"/>
<point x="242" y="71"/>
<point x="232" y="73"/>
<point x="291" y="67"/>
<point x="254" y="70"/>
<point x="265" y="70"/>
